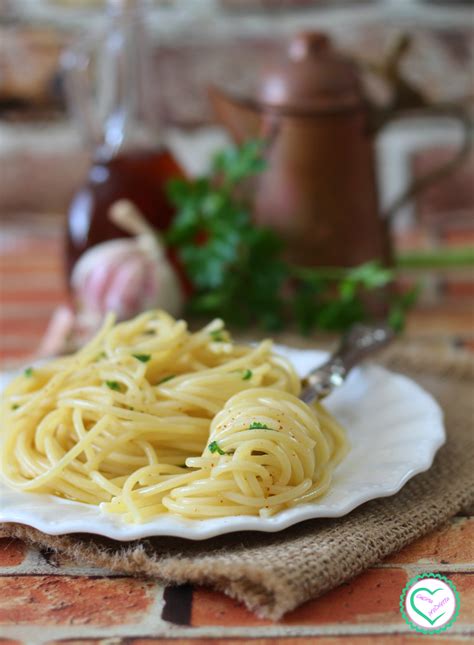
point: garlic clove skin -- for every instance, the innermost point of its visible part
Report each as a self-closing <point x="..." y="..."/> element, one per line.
<point x="170" y="290"/>
<point x="126" y="276"/>
<point x="92" y="270"/>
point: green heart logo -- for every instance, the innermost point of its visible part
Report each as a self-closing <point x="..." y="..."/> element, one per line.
<point x="415" y="608"/>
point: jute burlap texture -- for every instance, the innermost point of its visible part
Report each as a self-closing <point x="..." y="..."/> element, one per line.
<point x="273" y="573"/>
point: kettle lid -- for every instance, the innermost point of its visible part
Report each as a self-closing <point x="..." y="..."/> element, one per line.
<point x="314" y="76"/>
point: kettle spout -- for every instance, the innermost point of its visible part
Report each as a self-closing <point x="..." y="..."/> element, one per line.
<point x="241" y="117"/>
<point x="405" y="95"/>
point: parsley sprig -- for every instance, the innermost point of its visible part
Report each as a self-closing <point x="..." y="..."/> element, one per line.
<point x="237" y="268"/>
<point x="143" y="358"/>
<point x="214" y="447"/>
<point x="218" y="336"/>
<point x="113" y="385"/>
<point x="258" y="425"/>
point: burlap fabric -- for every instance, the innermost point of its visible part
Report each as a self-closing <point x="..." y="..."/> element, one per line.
<point x="273" y="573"/>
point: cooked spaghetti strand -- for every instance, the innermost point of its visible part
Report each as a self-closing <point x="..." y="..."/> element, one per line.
<point x="149" y="418"/>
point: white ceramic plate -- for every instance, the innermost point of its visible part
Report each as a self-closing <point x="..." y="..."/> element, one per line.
<point x="394" y="427"/>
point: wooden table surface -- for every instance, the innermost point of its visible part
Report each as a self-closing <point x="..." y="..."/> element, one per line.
<point x="45" y="598"/>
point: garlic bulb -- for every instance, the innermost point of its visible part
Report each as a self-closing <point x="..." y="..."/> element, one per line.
<point x="127" y="275"/>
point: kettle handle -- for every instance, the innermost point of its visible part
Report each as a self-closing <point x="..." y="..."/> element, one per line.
<point x="409" y="101"/>
<point x="422" y="183"/>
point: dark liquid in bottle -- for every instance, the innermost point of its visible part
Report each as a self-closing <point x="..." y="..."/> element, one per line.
<point x="139" y="176"/>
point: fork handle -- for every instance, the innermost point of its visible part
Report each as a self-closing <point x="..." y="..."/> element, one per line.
<point x="359" y="342"/>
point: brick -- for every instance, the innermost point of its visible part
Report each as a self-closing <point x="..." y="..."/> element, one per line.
<point x="468" y="344"/>
<point x="250" y="6"/>
<point x="17" y="341"/>
<point x="303" y="640"/>
<point x="53" y="297"/>
<point x="454" y="192"/>
<point x="185" y="73"/>
<point x="452" y="544"/>
<point x="371" y="597"/>
<point x="459" y="289"/>
<point x="19" y="267"/>
<point x="460" y="238"/>
<point x="465" y="585"/>
<point x="17" y="355"/>
<point x="12" y="552"/>
<point x="32" y="327"/>
<point x="213" y="608"/>
<point x="240" y="641"/>
<point x="30" y="60"/>
<point x="52" y="177"/>
<point x="413" y="238"/>
<point x="86" y="641"/>
<point x="438" y="321"/>
<point x="63" y="600"/>
<point x="17" y="248"/>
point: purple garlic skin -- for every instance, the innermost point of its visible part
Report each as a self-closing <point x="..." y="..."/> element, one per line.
<point x="126" y="276"/>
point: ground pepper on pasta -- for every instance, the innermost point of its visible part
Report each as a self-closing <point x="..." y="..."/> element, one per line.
<point x="149" y="418"/>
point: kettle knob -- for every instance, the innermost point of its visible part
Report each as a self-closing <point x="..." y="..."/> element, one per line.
<point x="314" y="77"/>
<point x="308" y="43"/>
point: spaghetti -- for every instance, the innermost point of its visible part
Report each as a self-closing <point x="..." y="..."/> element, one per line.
<point x="149" y="418"/>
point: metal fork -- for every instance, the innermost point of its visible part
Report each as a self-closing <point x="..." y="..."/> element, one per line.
<point x="358" y="343"/>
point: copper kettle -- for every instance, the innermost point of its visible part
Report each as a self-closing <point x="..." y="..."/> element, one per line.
<point x="319" y="190"/>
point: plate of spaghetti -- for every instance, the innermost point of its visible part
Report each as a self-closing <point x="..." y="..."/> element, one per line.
<point x="151" y="430"/>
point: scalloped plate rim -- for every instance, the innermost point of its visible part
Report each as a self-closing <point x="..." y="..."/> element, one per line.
<point x="112" y="527"/>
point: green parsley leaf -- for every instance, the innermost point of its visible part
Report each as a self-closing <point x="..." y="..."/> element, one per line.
<point x="228" y="259"/>
<point x="113" y="385"/>
<point x="28" y="372"/>
<point x="256" y="425"/>
<point x="217" y="335"/>
<point x="166" y="378"/>
<point x="247" y="375"/>
<point x="399" y="307"/>
<point x="143" y="358"/>
<point x="15" y="406"/>
<point x="214" y="447"/>
<point x="238" y="163"/>
<point x="100" y="355"/>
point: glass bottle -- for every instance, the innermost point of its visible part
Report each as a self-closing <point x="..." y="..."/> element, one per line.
<point x="111" y="92"/>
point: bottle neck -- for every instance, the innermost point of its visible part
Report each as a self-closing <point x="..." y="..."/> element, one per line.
<point x="126" y="100"/>
<point x="111" y="85"/>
